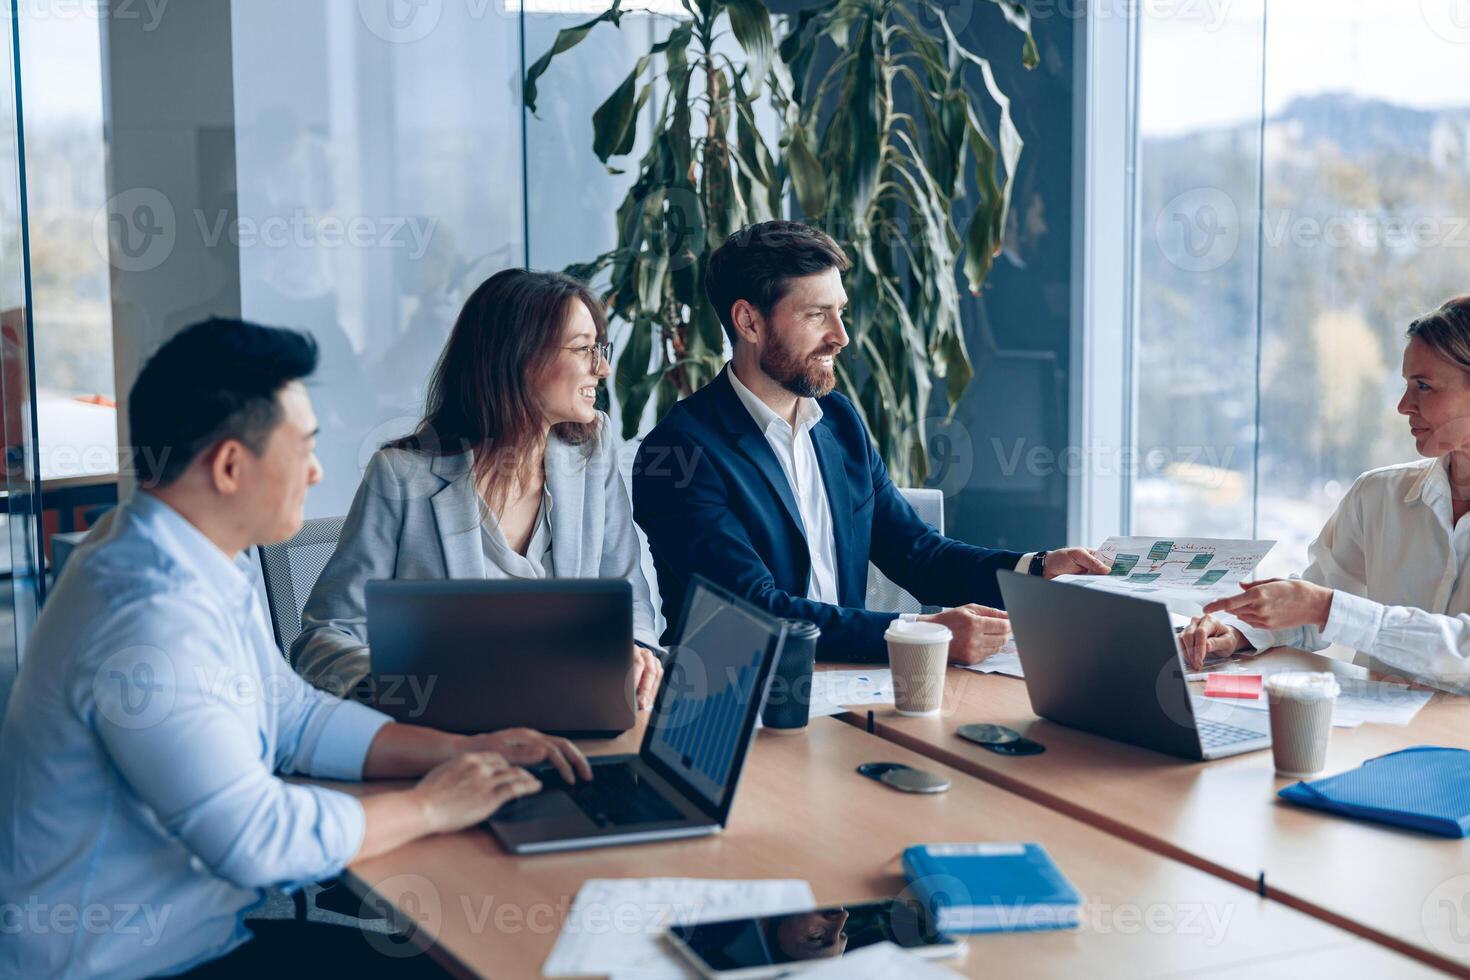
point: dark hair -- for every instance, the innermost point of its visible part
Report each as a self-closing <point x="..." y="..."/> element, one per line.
<point x="212" y="381"/>
<point x="1447" y="331"/>
<point x="758" y="262"/>
<point x="481" y="390"/>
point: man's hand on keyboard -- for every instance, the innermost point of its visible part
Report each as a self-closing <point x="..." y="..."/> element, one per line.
<point x="527" y="747"/>
<point x="468" y="788"/>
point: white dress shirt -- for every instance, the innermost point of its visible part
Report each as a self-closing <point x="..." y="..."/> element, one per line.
<point x="798" y="458"/>
<point x="1396" y="562"/>
<point x="140" y="812"/>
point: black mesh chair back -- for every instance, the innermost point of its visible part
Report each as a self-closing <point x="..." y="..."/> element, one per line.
<point x="290" y="569"/>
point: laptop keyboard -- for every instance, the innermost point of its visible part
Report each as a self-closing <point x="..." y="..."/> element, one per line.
<point x="1216" y="734"/>
<point x="616" y="797"/>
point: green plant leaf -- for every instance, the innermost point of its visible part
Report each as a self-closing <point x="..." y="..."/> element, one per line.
<point x="615" y="122"/>
<point x="807" y="175"/>
<point x="750" y="21"/>
<point x="958" y="371"/>
<point x="566" y="39"/>
<point x="987" y="227"/>
<point x="634" y="382"/>
<point x="983" y="236"/>
<point x="867" y="120"/>
<point x="1020" y="18"/>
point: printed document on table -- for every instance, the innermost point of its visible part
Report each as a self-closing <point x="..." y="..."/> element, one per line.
<point x="1182" y="573"/>
<point x="614" y="927"/>
<point x="834" y="690"/>
<point x="1361" y="700"/>
<point x="881" y="961"/>
<point x="1006" y="660"/>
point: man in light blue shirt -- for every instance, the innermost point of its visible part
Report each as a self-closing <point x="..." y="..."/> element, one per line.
<point x="141" y="810"/>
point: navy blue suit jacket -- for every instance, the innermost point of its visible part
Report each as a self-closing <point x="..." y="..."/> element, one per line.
<point x="713" y="499"/>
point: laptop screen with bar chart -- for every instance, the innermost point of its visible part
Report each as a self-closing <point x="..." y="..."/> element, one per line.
<point x="704" y="718"/>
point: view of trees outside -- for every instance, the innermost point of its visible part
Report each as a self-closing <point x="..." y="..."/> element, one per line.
<point x="66" y="190"/>
<point x="1282" y="255"/>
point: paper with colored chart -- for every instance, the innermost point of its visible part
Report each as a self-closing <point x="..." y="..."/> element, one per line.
<point x="834" y="690"/>
<point x="1182" y="573"/>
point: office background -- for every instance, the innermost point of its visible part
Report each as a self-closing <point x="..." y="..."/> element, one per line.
<point x="1224" y="217"/>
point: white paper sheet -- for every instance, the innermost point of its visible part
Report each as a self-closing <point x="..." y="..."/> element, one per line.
<point x="1005" y="661"/>
<point x="834" y="690"/>
<point x="1361" y="701"/>
<point x="1183" y="573"/>
<point x="881" y="961"/>
<point x="613" y="926"/>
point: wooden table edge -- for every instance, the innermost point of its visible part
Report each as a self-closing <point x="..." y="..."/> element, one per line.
<point x="870" y="722"/>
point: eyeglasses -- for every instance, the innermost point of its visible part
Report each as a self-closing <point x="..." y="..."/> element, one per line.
<point x="597" y="352"/>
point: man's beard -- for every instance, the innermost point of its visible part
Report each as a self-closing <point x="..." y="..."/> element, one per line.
<point x="803" y="377"/>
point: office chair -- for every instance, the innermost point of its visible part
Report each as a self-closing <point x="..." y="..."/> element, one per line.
<point x="883" y="594"/>
<point x="290" y="569"/>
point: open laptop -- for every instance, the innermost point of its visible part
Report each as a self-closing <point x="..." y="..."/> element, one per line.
<point x="682" y="781"/>
<point x="1110" y="664"/>
<point x="477" y="656"/>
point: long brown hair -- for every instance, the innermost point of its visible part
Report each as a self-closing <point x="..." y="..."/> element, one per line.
<point x="481" y="393"/>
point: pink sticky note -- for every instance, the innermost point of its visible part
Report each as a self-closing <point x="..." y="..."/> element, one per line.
<point x="1233" y="685"/>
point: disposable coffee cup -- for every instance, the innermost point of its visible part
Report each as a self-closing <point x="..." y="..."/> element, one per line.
<point x="788" y="701"/>
<point x="918" y="652"/>
<point x="1301" y="704"/>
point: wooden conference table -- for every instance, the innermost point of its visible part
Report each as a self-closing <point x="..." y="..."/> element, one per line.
<point x="1406" y="890"/>
<point x="802" y="812"/>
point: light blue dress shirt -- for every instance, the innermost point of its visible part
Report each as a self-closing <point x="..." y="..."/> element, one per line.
<point x="140" y="811"/>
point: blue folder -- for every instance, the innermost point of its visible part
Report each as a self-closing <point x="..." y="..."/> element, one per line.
<point x="1423" y="788"/>
<point x="991" y="887"/>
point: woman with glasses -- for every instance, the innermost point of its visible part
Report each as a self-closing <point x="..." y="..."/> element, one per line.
<point x="511" y="473"/>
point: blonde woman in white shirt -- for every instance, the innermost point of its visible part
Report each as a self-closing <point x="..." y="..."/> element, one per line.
<point x="1386" y="575"/>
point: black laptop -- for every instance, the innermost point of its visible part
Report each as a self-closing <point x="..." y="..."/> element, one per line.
<point x="682" y="781"/>
<point x="1111" y="664"/>
<point x="477" y="656"/>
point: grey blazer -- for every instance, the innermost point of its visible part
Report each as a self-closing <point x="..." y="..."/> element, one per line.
<point x="417" y="516"/>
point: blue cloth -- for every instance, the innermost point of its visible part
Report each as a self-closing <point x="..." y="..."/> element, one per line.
<point x="140" y="811"/>
<point x="1423" y="788"/>
<point x="713" y="500"/>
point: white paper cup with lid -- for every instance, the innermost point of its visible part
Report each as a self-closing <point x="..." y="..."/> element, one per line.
<point x="918" y="652"/>
<point x="1301" y="704"/>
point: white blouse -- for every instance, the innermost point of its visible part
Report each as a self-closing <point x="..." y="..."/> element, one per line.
<point x="1396" y="563"/>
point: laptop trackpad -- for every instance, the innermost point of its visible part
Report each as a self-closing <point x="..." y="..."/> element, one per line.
<point x="552" y="808"/>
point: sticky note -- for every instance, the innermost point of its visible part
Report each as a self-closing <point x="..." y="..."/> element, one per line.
<point x="1233" y="686"/>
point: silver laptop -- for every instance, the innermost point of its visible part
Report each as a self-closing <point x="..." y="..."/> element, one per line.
<point x="477" y="656"/>
<point x="1110" y="664"/>
<point x="682" y="781"/>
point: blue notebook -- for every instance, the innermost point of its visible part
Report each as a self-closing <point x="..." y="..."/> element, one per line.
<point x="1424" y="788"/>
<point x="991" y="887"/>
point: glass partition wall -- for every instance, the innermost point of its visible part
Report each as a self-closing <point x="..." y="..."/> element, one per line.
<point x="1303" y="187"/>
<point x="21" y="583"/>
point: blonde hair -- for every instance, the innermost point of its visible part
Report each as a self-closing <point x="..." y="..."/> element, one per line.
<point x="1446" y="331"/>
